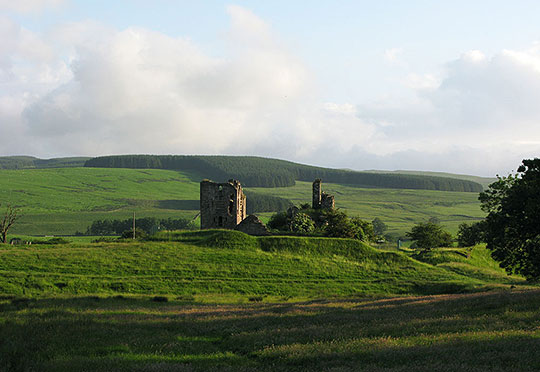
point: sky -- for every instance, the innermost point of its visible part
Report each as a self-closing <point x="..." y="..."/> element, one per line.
<point x="448" y="86"/>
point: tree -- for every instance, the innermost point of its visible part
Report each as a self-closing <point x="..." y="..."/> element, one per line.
<point x="302" y="223"/>
<point x="429" y="235"/>
<point x="365" y="231"/>
<point x="338" y="225"/>
<point x="11" y="215"/>
<point x="139" y="234"/>
<point x="513" y="220"/>
<point x="379" y="227"/>
<point x="471" y="234"/>
<point x="279" y="221"/>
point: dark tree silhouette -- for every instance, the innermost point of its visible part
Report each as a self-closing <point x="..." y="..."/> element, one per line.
<point x="513" y="207"/>
<point x="11" y="215"/>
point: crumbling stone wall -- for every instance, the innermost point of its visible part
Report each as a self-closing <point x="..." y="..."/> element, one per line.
<point x="321" y="200"/>
<point x="253" y="226"/>
<point x="223" y="205"/>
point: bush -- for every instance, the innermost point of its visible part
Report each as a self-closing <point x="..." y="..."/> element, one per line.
<point x="379" y="227"/>
<point x="338" y="225"/>
<point x="55" y="240"/>
<point x="329" y="222"/>
<point x="368" y="231"/>
<point x="303" y="224"/>
<point x="279" y="221"/>
<point x="160" y="299"/>
<point x="471" y="234"/>
<point x="139" y="234"/>
<point x="430" y="235"/>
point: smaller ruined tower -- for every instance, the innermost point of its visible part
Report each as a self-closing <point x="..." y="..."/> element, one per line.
<point x="316" y="203"/>
<point x="320" y="198"/>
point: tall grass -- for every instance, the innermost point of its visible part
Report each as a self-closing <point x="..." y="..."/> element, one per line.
<point x="216" y="262"/>
<point x="474" y="332"/>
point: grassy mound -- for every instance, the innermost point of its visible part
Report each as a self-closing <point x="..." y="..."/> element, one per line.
<point x="229" y="264"/>
<point x="474" y="262"/>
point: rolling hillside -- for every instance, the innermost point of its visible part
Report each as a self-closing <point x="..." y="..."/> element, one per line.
<point x="484" y="181"/>
<point x="264" y="172"/>
<point x="65" y="200"/>
<point x="236" y="264"/>
<point x="220" y="300"/>
<point x="30" y="162"/>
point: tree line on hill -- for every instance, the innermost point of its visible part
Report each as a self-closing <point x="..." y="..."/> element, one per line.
<point x="30" y="162"/>
<point x="147" y="224"/>
<point x="256" y="203"/>
<point x="263" y="172"/>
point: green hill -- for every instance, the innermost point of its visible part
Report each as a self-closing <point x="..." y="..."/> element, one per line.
<point x="484" y="181"/>
<point x="30" y="162"/>
<point x="229" y="263"/>
<point x="65" y="200"/>
<point x="255" y="171"/>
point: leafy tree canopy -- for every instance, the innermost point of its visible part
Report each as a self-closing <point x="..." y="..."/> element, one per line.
<point x="302" y="223"/>
<point x="471" y="234"/>
<point x="327" y="222"/>
<point x="428" y="235"/>
<point x="379" y="227"/>
<point x="513" y="221"/>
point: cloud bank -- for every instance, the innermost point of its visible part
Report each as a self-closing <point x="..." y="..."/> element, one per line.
<point x="89" y="89"/>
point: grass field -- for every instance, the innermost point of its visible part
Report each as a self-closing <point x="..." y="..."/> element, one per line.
<point x="497" y="331"/>
<point x="220" y="300"/>
<point x="232" y="265"/>
<point x="65" y="200"/>
<point x="399" y="209"/>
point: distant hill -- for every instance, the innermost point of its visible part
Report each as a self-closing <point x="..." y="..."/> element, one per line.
<point x="30" y="162"/>
<point x="265" y="172"/>
<point x="484" y="181"/>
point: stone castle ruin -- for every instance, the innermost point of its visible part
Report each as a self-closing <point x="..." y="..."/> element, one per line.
<point x="223" y="206"/>
<point x="321" y="200"/>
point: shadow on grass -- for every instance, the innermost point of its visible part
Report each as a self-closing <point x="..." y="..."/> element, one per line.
<point x="482" y="331"/>
<point x="178" y="204"/>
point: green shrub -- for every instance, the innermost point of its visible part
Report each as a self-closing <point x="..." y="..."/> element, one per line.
<point x="430" y="235"/>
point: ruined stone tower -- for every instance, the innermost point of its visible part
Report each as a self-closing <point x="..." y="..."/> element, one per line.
<point x="321" y="200"/>
<point x="223" y="205"/>
<point x="317" y="191"/>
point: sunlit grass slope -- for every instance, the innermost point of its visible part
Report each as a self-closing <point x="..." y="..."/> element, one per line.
<point x="228" y="263"/>
<point x="62" y="201"/>
<point x="399" y="209"/>
<point x="497" y="331"/>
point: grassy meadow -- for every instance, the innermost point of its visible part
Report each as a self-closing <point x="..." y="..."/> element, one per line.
<point x="61" y="201"/>
<point x="235" y="266"/>
<point x="399" y="209"/>
<point x="223" y="300"/>
<point x="497" y="331"/>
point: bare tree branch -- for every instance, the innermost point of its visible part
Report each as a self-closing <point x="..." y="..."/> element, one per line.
<point x="11" y="215"/>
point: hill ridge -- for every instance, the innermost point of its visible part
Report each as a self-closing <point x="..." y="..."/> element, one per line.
<point x="255" y="171"/>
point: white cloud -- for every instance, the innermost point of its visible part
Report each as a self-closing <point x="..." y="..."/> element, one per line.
<point x="140" y="91"/>
<point x="477" y="115"/>
<point x="392" y="55"/>
<point x="88" y="89"/>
